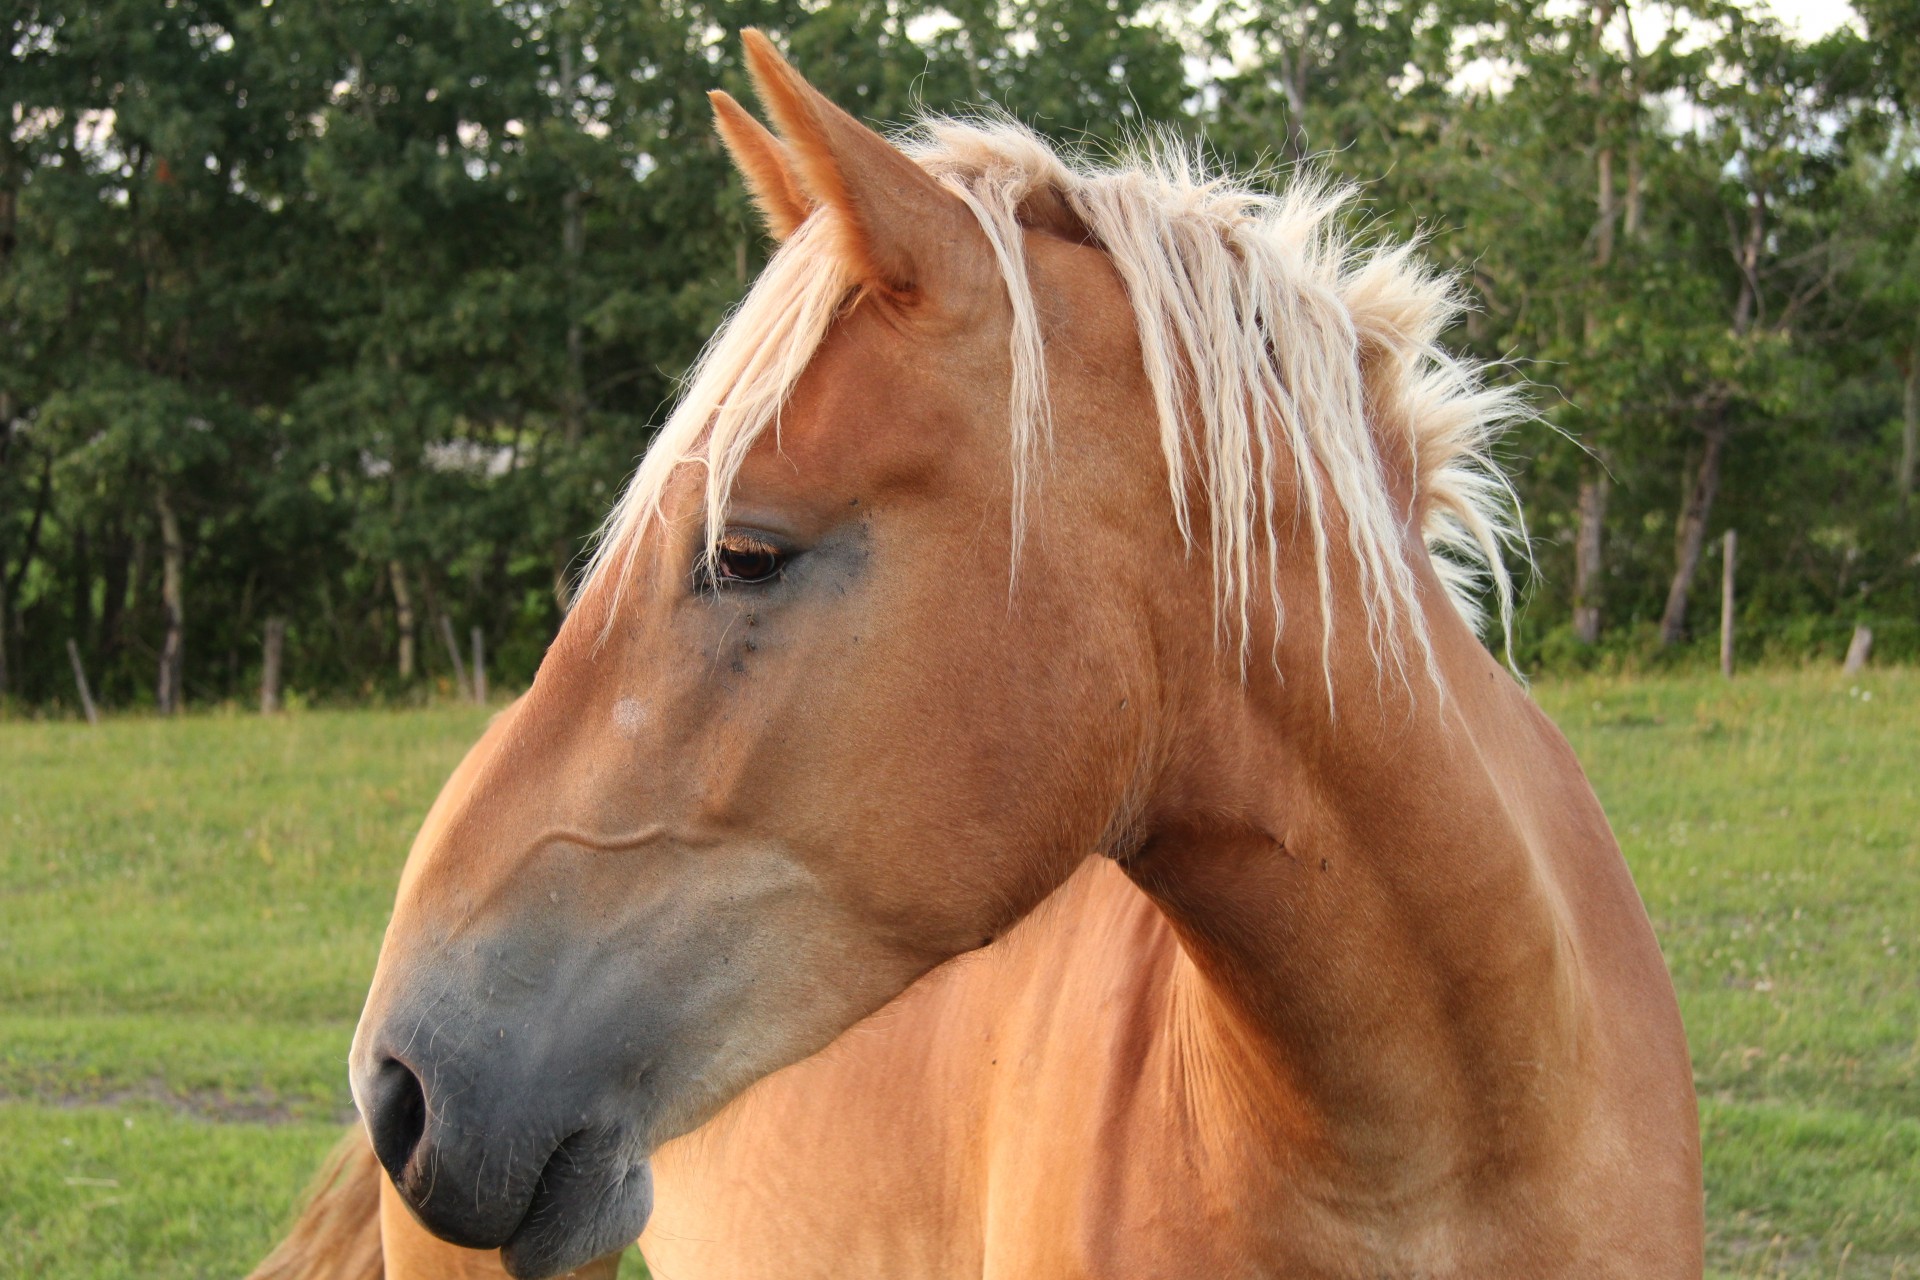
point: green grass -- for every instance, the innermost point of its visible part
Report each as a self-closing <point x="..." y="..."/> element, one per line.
<point x="1773" y="826"/>
<point x="188" y="916"/>
<point x="189" y="913"/>
<point x="133" y="1189"/>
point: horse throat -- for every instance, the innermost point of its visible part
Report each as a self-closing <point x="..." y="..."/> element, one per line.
<point x="1381" y="969"/>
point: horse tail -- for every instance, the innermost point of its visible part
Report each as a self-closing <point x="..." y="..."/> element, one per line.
<point x="337" y="1236"/>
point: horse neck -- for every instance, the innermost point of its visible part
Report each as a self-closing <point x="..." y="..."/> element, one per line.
<point x="1368" y="900"/>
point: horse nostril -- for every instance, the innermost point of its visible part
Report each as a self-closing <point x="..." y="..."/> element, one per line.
<point x="399" y="1115"/>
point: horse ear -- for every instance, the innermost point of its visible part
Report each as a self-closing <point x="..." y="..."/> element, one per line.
<point x="762" y="160"/>
<point x="902" y="230"/>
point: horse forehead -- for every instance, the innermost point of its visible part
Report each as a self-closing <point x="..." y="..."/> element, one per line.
<point x="882" y="401"/>
<point x="882" y="383"/>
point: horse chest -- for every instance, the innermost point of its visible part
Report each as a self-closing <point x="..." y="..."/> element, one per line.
<point x="1016" y="1114"/>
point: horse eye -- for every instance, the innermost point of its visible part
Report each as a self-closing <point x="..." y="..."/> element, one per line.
<point x="744" y="561"/>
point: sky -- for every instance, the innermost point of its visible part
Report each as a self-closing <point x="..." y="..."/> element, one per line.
<point x="1812" y="19"/>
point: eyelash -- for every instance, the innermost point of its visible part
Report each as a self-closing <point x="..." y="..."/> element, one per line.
<point x="742" y="560"/>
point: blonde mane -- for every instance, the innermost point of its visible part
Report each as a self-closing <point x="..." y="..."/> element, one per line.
<point x="1270" y="340"/>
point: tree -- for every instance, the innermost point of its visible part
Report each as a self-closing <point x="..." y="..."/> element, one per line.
<point x="357" y="314"/>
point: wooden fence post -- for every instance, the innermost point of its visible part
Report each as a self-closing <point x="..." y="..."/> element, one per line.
<point x="275" y="643"/>
<point x="170" y="689"/>
<point x="453" y="651"/>
<point x="1726" y="604"/>
<point x="479" y="667"/>
<point x="1857" y="651"/>
<point x="80" y="679"/>
<point x="402" y="615"/>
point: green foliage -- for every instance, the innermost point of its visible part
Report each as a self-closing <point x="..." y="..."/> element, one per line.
<point x="383" y="300"/>
<point x="372" y="285"/>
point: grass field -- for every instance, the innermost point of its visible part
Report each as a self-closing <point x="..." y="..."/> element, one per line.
<point x="189" y="913"/>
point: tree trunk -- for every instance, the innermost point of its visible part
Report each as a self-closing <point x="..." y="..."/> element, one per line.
<point x="137" y="573"/>
<point x="1636" y="175"/>
<point x="335" y="628"/>
<point x="113" y="602"/>
<point x="1909" y="428"/>
<point x="173" y="666"/>
<point x="6" y="420"/>
<point x="573" y="395"/>
<point x="573" y="246"/>
<point x="573" y="240"/>
<point x="1636" y="194"/>
<point x="1747" y="255"/>
<point x="80" y="682"/>
<point x="1599" y="94"/>
<point x="42" y="500"/>
<point x="274" y="646"/>
<point x="1691" y="532"/>
<point x="461" y="688"/>
<point x="80" y="582"/>
<point x="479" y="666"/>
<point x="1603" y="230"/>
<point x="9" y="195"/>
<point x="1728" y="545"/>
<point x="1690" y="536"/>
<point x="1587" y="551"/>
<point x="238" y="624"/>
<point x="10" y="172"/>
<point x="403" y="616"/>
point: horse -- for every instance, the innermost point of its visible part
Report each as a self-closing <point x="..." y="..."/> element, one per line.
<point x="1022" y="790"/>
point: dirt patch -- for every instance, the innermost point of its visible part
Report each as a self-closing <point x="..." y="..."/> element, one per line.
<point x="216" y="1105"/>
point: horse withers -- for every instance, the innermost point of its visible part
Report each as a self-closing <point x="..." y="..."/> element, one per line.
<point x="1021" y="792"/>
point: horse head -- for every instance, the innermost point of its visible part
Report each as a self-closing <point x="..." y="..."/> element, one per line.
<point x="802" y="738"/>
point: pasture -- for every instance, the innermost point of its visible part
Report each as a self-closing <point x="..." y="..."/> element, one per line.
<point x="189" y="913"/>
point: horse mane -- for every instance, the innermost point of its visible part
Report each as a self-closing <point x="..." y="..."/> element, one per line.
<point x="1271" y="339"/>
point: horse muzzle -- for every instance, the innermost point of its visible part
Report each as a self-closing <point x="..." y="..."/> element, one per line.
<point x="499" y="1154"/>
